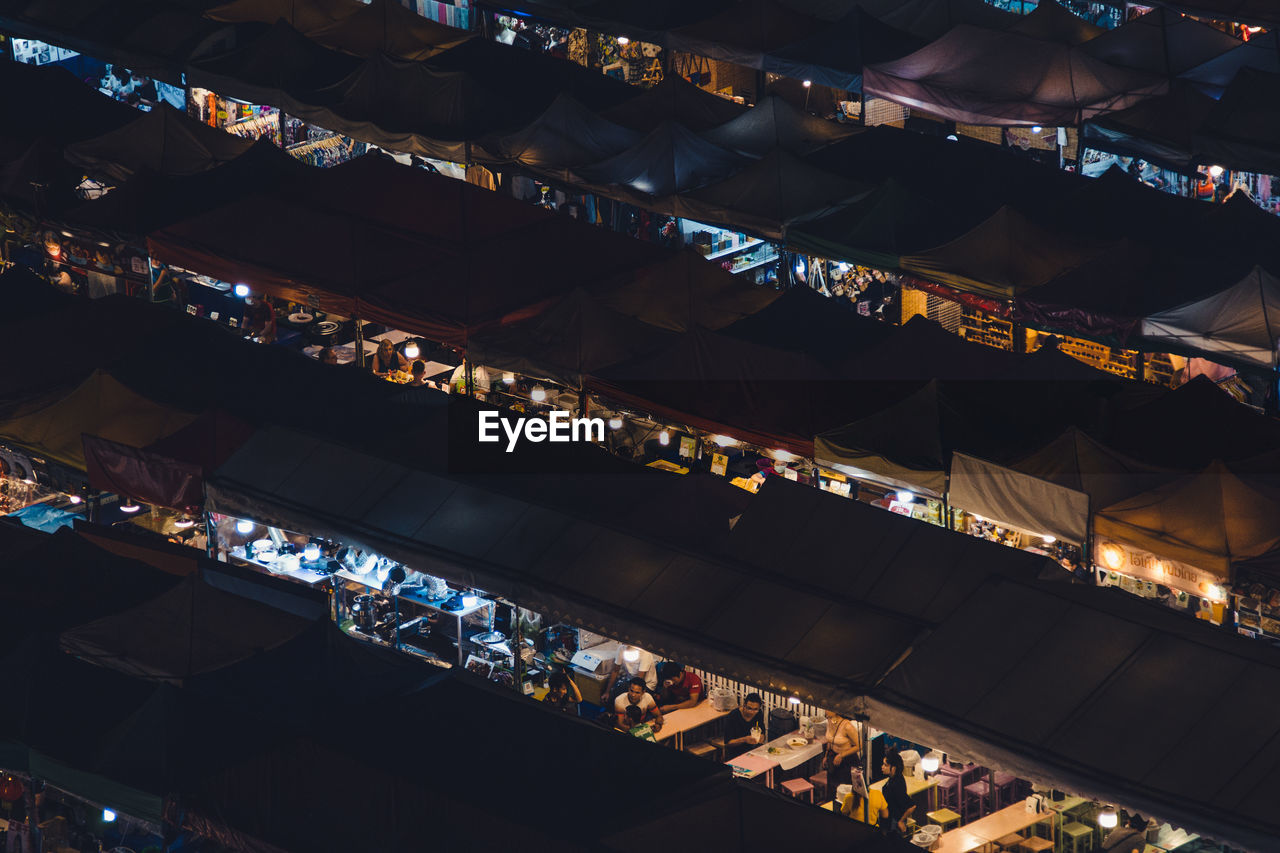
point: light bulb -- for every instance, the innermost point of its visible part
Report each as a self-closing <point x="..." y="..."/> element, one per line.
<point x="794" y="700"/>
<point x="905" y="497"/>
<point x="631" y="654"/>
<point x="508" y="379"/>
<point x="1036" y="128"/>
<point x="311" y="553"/>
<point x="129" y="507"/>
<point x="538" y="394"/>
<point x="664" y="438"/>
<point x="807" y="83"/>
<point x="951" y="137"/>
<point x="108" y="816"/>
<point x="1112" y="556"/>
<point x="1215" y="171"/>
<point x="624" y="41"/>
<point x="724" y="440"/>
<point x="615" y="423"/>
<point x="242" y="290"/>
<point x="184" y="523"/>
<point x="1049" y="540"/>
<point x="930" y="761"/>
<point x="411" y="350"/>
<point x="1107" y="818"/>
<point x="244" y="526"/>
<point x="75" y="499"/>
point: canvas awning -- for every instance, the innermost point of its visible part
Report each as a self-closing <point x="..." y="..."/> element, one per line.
<point x="1162" y="42"/>
<point x="677" y="100"/>
<point x="1010" y="497"/>
<point x="772" y="124"/>
<point x="1240" y="324"/>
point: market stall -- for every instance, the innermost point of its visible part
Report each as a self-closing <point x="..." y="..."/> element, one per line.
<point x="164" y="141"/>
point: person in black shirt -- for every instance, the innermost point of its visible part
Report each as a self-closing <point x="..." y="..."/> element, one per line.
<point x="895" y="792"/>
<point x="738" y="725"/>
<point x="564" y="695"/>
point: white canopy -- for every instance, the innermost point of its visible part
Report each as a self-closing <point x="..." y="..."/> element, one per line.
<point x="1241" y="322"/>
<point x="1014" y="498"/>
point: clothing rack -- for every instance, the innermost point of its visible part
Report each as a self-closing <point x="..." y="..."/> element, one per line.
<point x="256" y="127"/>
<point x="329" y="151"/>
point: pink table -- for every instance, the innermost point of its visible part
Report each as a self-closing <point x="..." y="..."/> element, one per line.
<point x="748" y="766"/>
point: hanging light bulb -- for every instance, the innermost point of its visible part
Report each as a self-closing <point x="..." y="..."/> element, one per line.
<point x="794" y="700"/>
<point x="538" y="394"/>
<point x="244" y="526"/>
<point x="1215" y="171"/>
<point x="108" y="816"/>
<point x="75" y="499"/>
<point x="1112" y="556"/>
<point x="1049" y="540"/>
<point x="411" y="350"/>
<point x="624" y="41"/>
<point x="311" y="553"/>
<point x="807" y="83"/>
<point x="631" y="654"/>
<point x="508" y="379"/>
<point x="130" y="507"/>
<point x="242" y="290"/>
<point x="184" y="523"/>
<point x="615" y="423"/>
<point x="930" y="762"/>
<point x="1107" y="818"/>
<point x="664" y="438"/>
<point x="905" y="497"/>
<point x="1036" y="128"/>
<point x="951" y="137"/>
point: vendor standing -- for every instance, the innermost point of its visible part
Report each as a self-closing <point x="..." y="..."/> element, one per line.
<point x="844" y="744"/>
<point x="632" y="662"/>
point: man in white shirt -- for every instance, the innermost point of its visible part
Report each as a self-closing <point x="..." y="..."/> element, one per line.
<point x="639" y="697"/>
<point x="633" y="662"/>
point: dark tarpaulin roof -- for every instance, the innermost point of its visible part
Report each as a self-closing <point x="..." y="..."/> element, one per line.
<point x="744" y="34"/>
<point x="674" y="99"/>
<point x="773" y="123"/>
<point x="1243" y="11"/>
<point x="1051" y="22"/>
<point x="55" y="106"/>
<point x="1262" y="52"/>
<point x="668" y="160"/>
<point x="164" y="141"/>
<point x="190" y="629"/>
<point x="768" y="195"/>
<point x="1240" y="324"/>
<point x="1115" y="654"/>
<point x="1243" y="130"/>
<point x="304" y="16"/>
<point x="385" y="26"/>
<point x="572" y="338"/>
<point x="835" y="55"/>
<point x="147" y="202"/>
<point x="567" y="134"/>
<point x="902" y="566"/>
<point x="892" y="221"/>
<point x="1162" y="42"/>
<point x="1076" y="461"/>
<point x="550" y="561"/>
<point x="802" y="320"/>
<point x="981" y="76"/>
<point x="682" y="292"/>
<point x="1003" y="256"/>
<point x="1160" y="130"/>
<point x="930" y="19"/>
<point x="42" y="164"/>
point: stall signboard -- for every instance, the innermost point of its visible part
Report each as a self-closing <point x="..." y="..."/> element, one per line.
<point x="1135" y="562"/>
<point x="719" y="464"/>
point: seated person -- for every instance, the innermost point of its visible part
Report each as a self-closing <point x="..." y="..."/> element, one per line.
<point x="680" y="687"/>
<point x="327" y="356"/>
<point x="386" y="359"/>
<point x="636" y="726"/>
<point x="564" y="694"/>
<point x="852" y="804"/>
<point x="637" y="697"/>
<point x="738" y="726"/>
<point x="259" y="319"/>
<point x="419" y="371"/>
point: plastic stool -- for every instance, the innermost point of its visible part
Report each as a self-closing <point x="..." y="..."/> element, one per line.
<point x="949" y="791"/>
<point x="945" y="818"/>
<point x="701" y="749"/>
<point x="1078" y="836"/>
<point x="819" y="781"/>
<point x="1035" y="845"/>
<point x="796" y="787"/>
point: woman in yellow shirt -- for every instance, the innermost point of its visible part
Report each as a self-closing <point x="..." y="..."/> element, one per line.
<point x="852" y="806"/>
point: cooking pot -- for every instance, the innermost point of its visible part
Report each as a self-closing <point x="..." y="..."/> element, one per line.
<point x="364" y="612"/>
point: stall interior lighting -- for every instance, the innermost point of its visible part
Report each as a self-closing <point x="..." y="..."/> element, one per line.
<point x="930" y="761"/>
<point x="508" y="379"/>
<point x="242" y="290"/>
<point x="807" y="83"/>
<point x="108" y="816"/>
<point x="1049" y="540"/>
<point x="631" y="654"/>
<point x="411" y="350"/>
<point x="905" y="497"/>
<point x="1107" y="818"/>
<point x="311" y="553"/>
<point x="1215" y="171"/>
<point x="129" y="507"/>
<point x="1036" y="128"/>
<point x="794" y="700"/>
<point x="664" y="438"/>
<point x="782" y="456"/>
<point x="951" y="137"/>
<point x="624" y="41"/>
<point x="75" y="499"/>
<point x="1112" y="556"/>
<point x="244" y="526"/>
<point x="184" y="523"/>
<point x="538" y="394"/>
<point x="615" y="423"/>
<point x="724" y="440"/>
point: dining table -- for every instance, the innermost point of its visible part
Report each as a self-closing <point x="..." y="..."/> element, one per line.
<point x="676" y="723"/>
<point x="994" y="826"/>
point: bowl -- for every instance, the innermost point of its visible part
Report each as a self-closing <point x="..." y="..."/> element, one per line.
<point x="797" y="742"/>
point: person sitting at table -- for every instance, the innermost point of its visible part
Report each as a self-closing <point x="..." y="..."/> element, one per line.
<point x="844" y="742"/>
<point x="680" y="687"/>
<point x="636" y="696"/>
<point x="259" y="319"/>
<point x="895" y="792"/>
<point x="327" y="355"/>
<point x="852" y="806"/>
<point x="386" y="359"/>
<point x="632" y="662"/>
<point x="419" y="371"/>
<point x="1131" y="836"/>
<point x="564" y="694"/>
<point x="740" y="723"/>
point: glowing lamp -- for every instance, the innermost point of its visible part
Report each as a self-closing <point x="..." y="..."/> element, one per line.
<point x="411" y="350"/>
<point x="130" y="507"/>
<point x="244" y="526"/>
<point x="905" y="497"/>
<point x="242" y="290"/>
<point x="724" y="440"/>
<point x="807" y="83"/>
<point x="624" y="41"/>
<point x="184" y="523"/>
<point x="75" y="499"/>
<point x="1107" y="818"/>
<point x="108" y="816"/>
<point x="930" y="761"/>
<point x="311" y="553"/>
<point x="615" y="423"/>
<point x="508" y="379"/>
<point x="1215" y="171"/>
<point x="1049" y="540"/>
<point x="1112" y="556"/>
<point x="794" y="700"/>
<point x="664" y="438"/>
<point x="538" y="394"/>
<point x="1036" y="129"/>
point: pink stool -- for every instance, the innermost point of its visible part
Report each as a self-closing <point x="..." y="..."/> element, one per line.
<point x="819" y="781"/>
<point x="949" y="791"/>
<point x="796" y="787"/>
<point x="1004" y="783"/>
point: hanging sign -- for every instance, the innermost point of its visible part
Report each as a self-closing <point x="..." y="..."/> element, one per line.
<point x="1135" y="562"/>
<point x="687" y="446"/>
<point x="719" y="464"/>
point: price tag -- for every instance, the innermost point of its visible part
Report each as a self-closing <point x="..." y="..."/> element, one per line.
<point x="791" y="474"/>
<point x="719" y="464"/>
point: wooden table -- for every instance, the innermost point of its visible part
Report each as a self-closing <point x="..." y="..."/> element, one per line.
<point x="789" y="758"/>
<point x="675" y="724"/>
<point x="915" y="786"/>
<point x="994" y="826"/>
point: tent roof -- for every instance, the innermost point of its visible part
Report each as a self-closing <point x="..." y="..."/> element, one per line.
<point x="164" y="141"/>
<point x="1262" y="52"/>
<point x="55" y="105"/>
<point x="1052" y="22"/>
<point x="677" y="100"/>
<point x="1003" y="256"/>
<point x="1210" y="520"/>
<point x="550" y="559"/>
<point x="773" y="123"/>
<point x="669" y="159"/>
<point x="566" y="134"/>
<point x="682" y="292"/>
<point x="802" y="320"/>
<point x="1162" y="42"/>
<point x="1159" y="129"/>
<point x="305" y="17"/>
<point x="930" y="19"/>
<point x="744" y="34"/>
<point x="190" y="629"/>
<point x="1239" y="324"/>
<point x="100" y="406"/>
<point x="207" y="441"/>
<point x="385" y="26"/>
<point x="768" y="195"/>
<point x="835" y="55"/>
<point x="574" y="337"/>
<point x="1115" y="653"/>
<point x="1243" y="130"/>
<point x="1077" y="461"/>
<point x="982" y="76"/>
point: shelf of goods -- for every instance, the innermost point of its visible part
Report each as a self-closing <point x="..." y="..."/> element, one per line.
<point x="984" y="328"/>
<point x="1121" y="362"/>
